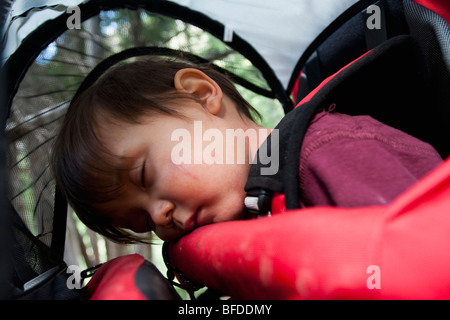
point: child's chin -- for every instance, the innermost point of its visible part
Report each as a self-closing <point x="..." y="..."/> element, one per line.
<point x="232" y="217"/>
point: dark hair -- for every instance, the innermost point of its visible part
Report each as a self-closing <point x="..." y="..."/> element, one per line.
<point x="85" y="171"/>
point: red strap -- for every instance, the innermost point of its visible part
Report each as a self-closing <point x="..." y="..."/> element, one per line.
<point x="395" y="252"/>
<point x="278" y="203"/>
<point x="115" y="279"/>
<point x="324" y="82"/>
<point x="441" y="7"/>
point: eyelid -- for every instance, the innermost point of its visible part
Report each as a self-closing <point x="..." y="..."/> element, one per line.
<point x="143" y="175"/>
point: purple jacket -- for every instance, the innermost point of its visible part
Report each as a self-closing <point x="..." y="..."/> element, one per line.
<point x="351" y="161"/>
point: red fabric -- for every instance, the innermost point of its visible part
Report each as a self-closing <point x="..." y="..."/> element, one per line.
<point x="115" y="279"/>
<point x="329" y="253"/>
<point x="296" y="86"/>
<point x="325" y="81"/>
<point x="278" y="203"/>
<point x="441" y="7"/>
<point x="396" y="251"/>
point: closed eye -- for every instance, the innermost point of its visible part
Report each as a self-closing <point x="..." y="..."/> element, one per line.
<point x="143" y="176"/>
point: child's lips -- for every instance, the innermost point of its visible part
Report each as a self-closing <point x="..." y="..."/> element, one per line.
<point x="193" y="222"/>
<point x="200" y="217"/>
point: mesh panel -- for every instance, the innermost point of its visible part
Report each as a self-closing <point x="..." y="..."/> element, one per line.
<point x="51" y="81"/>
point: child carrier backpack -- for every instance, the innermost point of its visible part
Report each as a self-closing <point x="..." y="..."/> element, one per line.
<point x="389" y="59"/>
<point x="48" y="48"/>
<point x="394" y="79"/>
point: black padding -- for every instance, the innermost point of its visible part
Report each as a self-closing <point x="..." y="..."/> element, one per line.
<point x="391" y="83"/>
<point x="152" y="284"/>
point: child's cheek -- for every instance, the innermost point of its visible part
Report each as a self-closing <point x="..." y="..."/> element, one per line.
<point x="184" y="171"/>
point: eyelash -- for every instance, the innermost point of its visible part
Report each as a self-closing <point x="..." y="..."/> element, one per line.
<point x="143" y="176"/>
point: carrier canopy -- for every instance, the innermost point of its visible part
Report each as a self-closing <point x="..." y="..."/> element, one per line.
<point x="45" y="72"/>
<point x="46" y="58"/>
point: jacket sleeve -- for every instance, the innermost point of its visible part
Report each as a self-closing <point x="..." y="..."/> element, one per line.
<point x="353" y="161"/>
<point x="397" y="251"/>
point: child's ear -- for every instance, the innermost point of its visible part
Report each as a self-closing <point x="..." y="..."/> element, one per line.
<point x="196" y="82"/>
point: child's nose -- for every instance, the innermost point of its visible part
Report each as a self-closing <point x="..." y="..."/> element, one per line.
<point x="162" y="212"/>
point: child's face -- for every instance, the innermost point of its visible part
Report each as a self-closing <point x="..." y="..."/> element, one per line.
<point x="173" y="199"/>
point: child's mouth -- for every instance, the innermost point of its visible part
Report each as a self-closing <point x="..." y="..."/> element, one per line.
<point x="199" y="218"/>
<point x="194" y="221"/>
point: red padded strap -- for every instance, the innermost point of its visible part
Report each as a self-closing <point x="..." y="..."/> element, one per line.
<point x="441" y="7"/>
<point x="115" y="280"/>
<point x="327" y="252"/>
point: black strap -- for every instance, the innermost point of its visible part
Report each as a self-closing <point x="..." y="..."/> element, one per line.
<point x="167" y="52"/>
<point x="327" y="32"/>
<point x="310" y="78"/>
<point x="371" y="85"/>
<point x="375" y="31"/>
<point x="291" y="131"/>
<point x="188" y="285"/>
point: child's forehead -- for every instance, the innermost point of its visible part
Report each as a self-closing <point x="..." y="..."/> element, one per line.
<point x="129" y="139"/>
